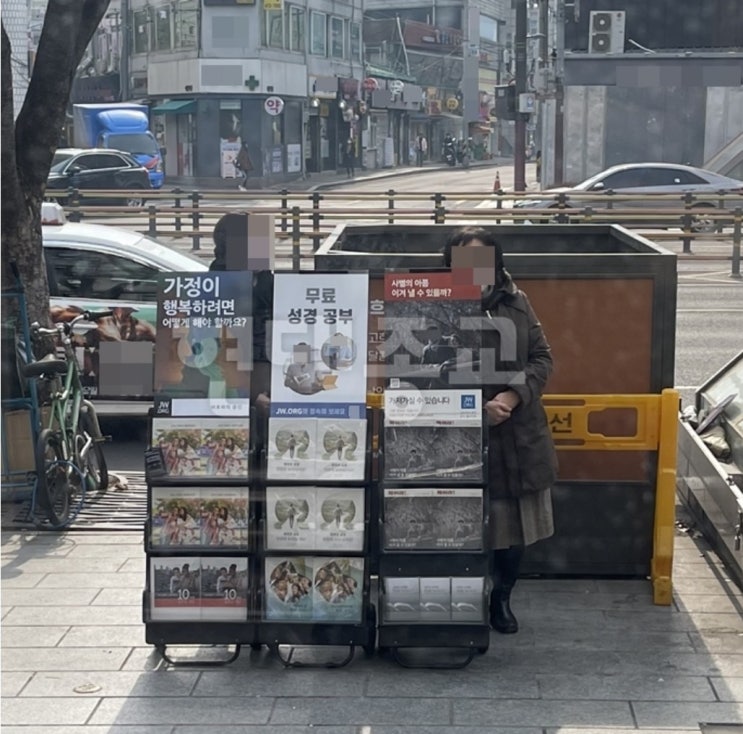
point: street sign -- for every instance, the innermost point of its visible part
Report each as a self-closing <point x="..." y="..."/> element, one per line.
<point x="273" y="105"/>
<point x="396" y="86"/>
<point x="527" y="102"/>
<point x="452" y="103"/>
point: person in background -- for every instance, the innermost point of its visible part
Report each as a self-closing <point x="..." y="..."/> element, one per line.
<point x="244" y="165"/>
<point x="539" y="166"/>
<point x="349" y="155"/>
<point x="421" y="148"/>
<point x="522" y="461"/>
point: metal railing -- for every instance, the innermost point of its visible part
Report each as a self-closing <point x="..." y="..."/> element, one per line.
<point x="305" y="219"/>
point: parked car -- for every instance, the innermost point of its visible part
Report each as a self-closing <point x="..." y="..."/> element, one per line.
<point x="101" y="268"/>
<point x="647" y="178"/>
<point x="99" y="168"/>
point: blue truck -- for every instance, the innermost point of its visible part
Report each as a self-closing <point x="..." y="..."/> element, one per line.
<point x="120" y="126"/>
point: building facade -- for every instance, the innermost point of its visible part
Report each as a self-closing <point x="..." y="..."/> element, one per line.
<point x="279" y="76"/>
<point x="453" y="54"/>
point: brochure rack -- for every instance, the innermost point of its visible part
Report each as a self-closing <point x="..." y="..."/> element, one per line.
<point x="217" y="606"/>
<point x="313" y="584"/>
<point x="433" y="587"/>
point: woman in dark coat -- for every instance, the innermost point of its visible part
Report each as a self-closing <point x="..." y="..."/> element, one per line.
<point x="522" y="464"/>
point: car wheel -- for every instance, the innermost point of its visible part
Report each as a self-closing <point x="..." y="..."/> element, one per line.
<point x="701" y="223"/>
<point x="133" y="200"/>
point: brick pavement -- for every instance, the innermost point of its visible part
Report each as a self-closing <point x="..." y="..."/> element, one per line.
<point x="592" y="657"/>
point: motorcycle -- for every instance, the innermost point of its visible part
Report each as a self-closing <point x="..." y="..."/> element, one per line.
<point x="450" y="155"/>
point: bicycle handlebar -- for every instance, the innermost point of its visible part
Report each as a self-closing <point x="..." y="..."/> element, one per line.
<point x="65" y="327"/>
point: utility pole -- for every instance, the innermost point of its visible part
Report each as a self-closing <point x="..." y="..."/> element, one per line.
<point x="124" y="51"/>
<point x="559" y="171"/>
<point x="519" y="155"/>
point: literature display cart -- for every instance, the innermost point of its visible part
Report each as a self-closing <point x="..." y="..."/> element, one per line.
<point x="200" y="533"/>
<point x="433" y="563"/>
<point x="433" y="516"/>
<point x="314" y="572"/>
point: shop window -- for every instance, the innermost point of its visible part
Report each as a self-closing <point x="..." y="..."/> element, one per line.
<point x="163" y="40"/>
<point x="296" y="21"/>
<point x="318" y="34"/>
<point x="337" y="45"/>
<point x="141" y="31"/>
<point x="355" y="42"/>
<point x="273" y="28"/>
<point x="185" y="23"/>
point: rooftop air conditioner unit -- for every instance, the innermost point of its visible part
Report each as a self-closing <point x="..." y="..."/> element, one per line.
<point x="607" y="31"/>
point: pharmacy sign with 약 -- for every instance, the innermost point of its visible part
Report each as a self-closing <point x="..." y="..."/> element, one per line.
<point x="274" y="106"/>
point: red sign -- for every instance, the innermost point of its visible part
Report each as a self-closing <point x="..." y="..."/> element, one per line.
<point x="370" y="84"/>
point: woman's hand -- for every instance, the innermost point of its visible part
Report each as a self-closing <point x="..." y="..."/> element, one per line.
<point x="500" y="407"/>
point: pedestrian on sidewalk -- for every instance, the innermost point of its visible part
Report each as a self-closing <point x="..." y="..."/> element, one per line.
<point x="349" y="157"/>
<point x="421" y="148"/>
<point x="244" y="166"/>
<point x="522" y="461"/>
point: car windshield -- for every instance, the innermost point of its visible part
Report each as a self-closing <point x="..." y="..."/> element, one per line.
<point x="134" y="143"/>
<point x="59" y="161"/>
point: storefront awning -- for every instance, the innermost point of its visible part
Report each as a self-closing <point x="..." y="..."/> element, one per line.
<point x="381" y="73"/>
<point x="175" y="107"/>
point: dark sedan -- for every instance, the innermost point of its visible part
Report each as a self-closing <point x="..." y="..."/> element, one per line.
<point x="96" y="169"/>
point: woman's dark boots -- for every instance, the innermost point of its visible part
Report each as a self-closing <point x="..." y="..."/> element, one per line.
<point x="506" y="564"/>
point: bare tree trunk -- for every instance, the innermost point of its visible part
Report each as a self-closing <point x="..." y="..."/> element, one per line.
<point x="29" y="143"/>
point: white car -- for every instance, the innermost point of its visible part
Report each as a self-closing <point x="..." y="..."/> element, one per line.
<point x="647" y="178"/>
<point x="100" y="268"/>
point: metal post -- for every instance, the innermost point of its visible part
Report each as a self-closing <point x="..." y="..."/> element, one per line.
<point x="284" y="209"/>
<point x="391" y="206"/>
<point x="737" y="217"/>
<point x="316" y="197"/>
<point x="439" y="212"/>
<point x="177" y="205"/>
<point x="296" y="242"/>
<point x="687" y="219"/>
<point x="73" y="202"/>
<point x="559" y="156"/>
<point x="152" y="221"/>
<point x="195" y="221"/>
<point x="519" y="155"/>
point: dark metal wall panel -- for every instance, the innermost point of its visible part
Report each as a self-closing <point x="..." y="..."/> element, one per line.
<point x="655" y="125"/>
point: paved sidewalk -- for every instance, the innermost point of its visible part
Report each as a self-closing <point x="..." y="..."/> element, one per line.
<point x="329" y="179"/>
<point x="593" y="656"/>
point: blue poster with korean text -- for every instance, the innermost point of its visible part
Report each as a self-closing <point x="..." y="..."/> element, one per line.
<point x="203" y="346"/>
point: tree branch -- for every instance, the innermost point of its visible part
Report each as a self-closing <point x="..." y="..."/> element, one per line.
<point x="68" y="28"/>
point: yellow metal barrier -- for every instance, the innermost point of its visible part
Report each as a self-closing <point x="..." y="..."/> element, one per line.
<point x="656" y="429"/>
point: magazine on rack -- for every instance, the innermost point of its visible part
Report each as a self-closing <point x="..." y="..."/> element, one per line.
<point x="175" y="589"/>
<point x="338" y="589"/>
<point x="224" y="517"/>
<point x="340" y="449"/>
<point x="291" y="448"/>
<point x="340" y="518"/>
<point x="290" y="518"/>
<point x="214" y="447"/>
<point x="433" y="518"/>
<point x="402" y="599"/>
<point x="432" y="326"/>
<point x="467" y="599"/>
<point x="175" y="517"/>
<point x="433" y="435"/>
<point x="435" y="599"/>
<point x="288" y="588"/>
<point x="224" y="588"/>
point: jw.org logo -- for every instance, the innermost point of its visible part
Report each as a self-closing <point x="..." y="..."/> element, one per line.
<point x="468" y="402"/>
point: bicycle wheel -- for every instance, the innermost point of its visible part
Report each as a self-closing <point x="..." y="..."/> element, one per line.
<point x="53" y="487"/>
<point x="95" y="467"/>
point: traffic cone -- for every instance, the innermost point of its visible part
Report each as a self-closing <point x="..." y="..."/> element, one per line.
<point x="496" y="183"/>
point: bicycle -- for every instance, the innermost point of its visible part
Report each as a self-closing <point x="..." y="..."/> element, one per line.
<point x="69" y="458"/>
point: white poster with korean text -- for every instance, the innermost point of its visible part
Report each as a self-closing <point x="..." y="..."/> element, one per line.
<point x="319" y="345"/>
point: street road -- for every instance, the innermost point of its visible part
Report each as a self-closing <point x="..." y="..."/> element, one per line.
<point x="710" y="302"/>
